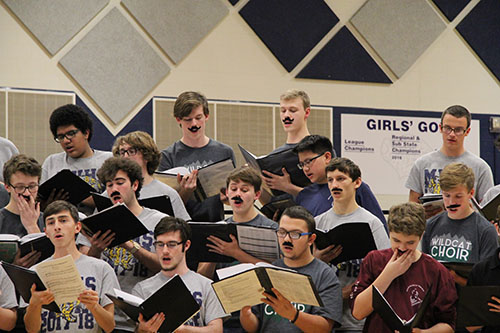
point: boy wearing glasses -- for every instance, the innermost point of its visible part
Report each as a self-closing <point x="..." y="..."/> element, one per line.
<point x="343" y="178"/>
<point x="22" y="215"/>
<point x="172" y="239"/>
<point x="424" y="175"/>
<point x="315" y="152"/>
<point x="71" y="127"/>
<point x="277" y="314"/>
<point x="140" y="147"/>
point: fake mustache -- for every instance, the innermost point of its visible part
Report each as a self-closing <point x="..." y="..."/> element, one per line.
<point x="287" y="244"/>
<point x="115" y="193"/>
<point x="194" y="128"/>
<point x="452" y="206"/>
<point x="336" y="189"/>
<point x="237" y="199"/>
<point x="288" y="120"/>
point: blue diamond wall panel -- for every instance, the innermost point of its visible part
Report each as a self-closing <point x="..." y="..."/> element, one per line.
<point x="451" y="8"/>
<point x="177" y="25"/>
<point x="399" y="31"/>
<point x="289" y="28"/>
<point x="115" y="65"/>
<point x="481" y="29"/>
<point x="55" y="22"/>
<point x="343" y="58"/>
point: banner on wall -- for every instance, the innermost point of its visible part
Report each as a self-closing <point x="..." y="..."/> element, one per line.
<point x="385" y="147"/>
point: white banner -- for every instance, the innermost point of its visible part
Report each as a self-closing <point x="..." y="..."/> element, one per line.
<point x="385" y="147"/>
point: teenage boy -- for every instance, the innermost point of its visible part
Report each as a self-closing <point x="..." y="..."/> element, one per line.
<point x="193" y="151"/>
<point x="134" y="260"/>
<point x="172" y="240"/>
<point x="315" y="152"/>
<point x="243" y="189"/>
<point x="344" y="177"/>
<point x="459" y="234"/>
<point x="424" y="175"/>
<point x="93" y="312"/>
<point x="404" y="275"/>
<point x="22" y="215"/>
<point x="71" y="127"/>
<point x="140" y="147"/>
<point x="296" y="236"/>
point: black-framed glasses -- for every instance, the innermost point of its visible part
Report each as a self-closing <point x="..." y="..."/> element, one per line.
<point x="306" y="163"/>
<point x="293" y="234"/>
<point x="19" y="189"/>
<point x="457" y="130"/>
<point x="131" y="151"/>
<point x="171" y="245"/>
<point x="68" y="135"/>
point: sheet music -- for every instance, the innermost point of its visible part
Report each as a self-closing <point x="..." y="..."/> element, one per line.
<point x="238" y="291"/>
<point x="62" y="277"/>
<point x="295" y="287"/>
<point x="213" y="177"/>
<point x="259" y="242"/>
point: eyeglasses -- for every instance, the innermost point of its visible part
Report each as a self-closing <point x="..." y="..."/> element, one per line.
<point x="306" y="163"/>
<point x="457" y="130"/>
<point x="68" y="135"/>
<point x="131" y="151"/>
<point x="171" y="245"/>
<point x="281" y="233"/>
<point x="21" y="188"/>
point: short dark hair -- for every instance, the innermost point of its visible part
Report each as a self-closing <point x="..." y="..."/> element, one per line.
<point x="172" y="224"/>
<point x="58" y="206"/>
<point x="112" y="165"/>
<point x="344" y="165"/>
<point x="247" y="175"/>
<point x="187" y="101"/>
<point x="22" y="163"/>
<point x="299" y="212"/>
<point x="315" y="143"/>
<point x="144" y="142"/>
<point x="457" y="111"/>
<point x="407" y="218"/>
<point x="70" y="114"/>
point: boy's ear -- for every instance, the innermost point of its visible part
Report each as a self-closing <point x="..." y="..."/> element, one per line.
<point x="328" y="157"/>
<point x="187" y="245"/>
<point x="357" y="183"/>
<point x="257" y="195"/>
<point x="78" y="227"/>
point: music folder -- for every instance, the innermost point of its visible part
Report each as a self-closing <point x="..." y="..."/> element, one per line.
<point x="473" y="308"/>
<point x="160" y="203"/>
<point x="76" y="187"/>
<point x="490" y="209"/>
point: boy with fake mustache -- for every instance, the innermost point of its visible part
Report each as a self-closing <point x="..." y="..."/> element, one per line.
<point x="404" y="275"/>
<point x="459" y="234"/>
<point x="344" y="177"/>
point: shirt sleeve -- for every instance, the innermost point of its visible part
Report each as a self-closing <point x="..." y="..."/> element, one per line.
<point x="488" y="243"/>
<point x="8" y="293"/>
<point x="330" y="293"/>
<point x="108" y="284"/>
<point x="165" y="162"/>
<point x="366" y="199"/>
<point x="413" y="182"/>
<point x="213" y="308"/>
<point x="484" y="182"/>
<point x="364" y="280"/>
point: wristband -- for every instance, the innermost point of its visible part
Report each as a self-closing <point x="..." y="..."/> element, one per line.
<point x="135" y="248"/>
<point x="296" y="317"/>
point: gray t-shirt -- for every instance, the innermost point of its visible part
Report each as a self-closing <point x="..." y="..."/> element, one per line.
<point x="424" y="175"/>
<point x="7" y="150"/>
<point x="348" y="271"/>
<point x="96" y="275"/>
<point x="492" y="192"/>
<point x="127" y="268"/>
<point x="328" y="287"/>
<point x="179" y="154"/>
<point x="4" y="196"/>
<point x="10" y="223"/>
<point x="157" y="188"/>
<point x="85" y="168"/>
<point x="201" y="289"/>
<point x="8" y="298"/>
<point x="470" y="240"/>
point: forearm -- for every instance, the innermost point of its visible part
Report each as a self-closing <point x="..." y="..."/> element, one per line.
<point x="249" y="322"/>
<point x="244" y="257"/>
<point x="439" y="328"/>
<point x="213" y="326"/>
<point x="33" y="318"/>
<point x="313" y="323"/>
<point x="363" y="302"/>
<point x="8" y="319"/>
<point x="148" y="259"/>
<point x="104" y="316"/>
<point x="293" y="189"/>
<point x="413" y="197"/>
<point x="31" y="226"/>
<point x="206" y="269"/>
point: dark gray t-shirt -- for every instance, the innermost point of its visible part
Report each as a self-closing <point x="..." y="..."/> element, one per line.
<point x="329" y="290"/>
<point x="470" y="240"/>
<point x="10" y="223"/>
<point x="4" y="196"/>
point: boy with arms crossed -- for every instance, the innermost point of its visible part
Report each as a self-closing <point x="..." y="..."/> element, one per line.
<point x="93" y="311"/>
<point x="344" y="177"/>
<point x="172" y="240"/>
<point x="404" y="275"/>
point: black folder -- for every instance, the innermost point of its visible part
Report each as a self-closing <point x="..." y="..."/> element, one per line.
<point x="490" y="208"/>
<point x="356" y="239"/>
<point x="389" y="316"/>
<point x="173" y="299"/>
<point x="270" y="208"/>
<point x="41" y="244"/>
<point x="76" y="187"/>
<point x="117" y="218"/>
<point x="473" y="309"/>
<point x="461" y="268"/>
<point x="23" y="279"/>
<point x="160" y="203"/>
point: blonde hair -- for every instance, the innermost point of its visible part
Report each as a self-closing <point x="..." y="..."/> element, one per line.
<point x="456" y="174"/>
<point x="294" y="93"/>
<point x="144" y="142"/>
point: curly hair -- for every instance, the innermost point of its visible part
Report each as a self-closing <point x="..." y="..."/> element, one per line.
<point x="70" y="114"/>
